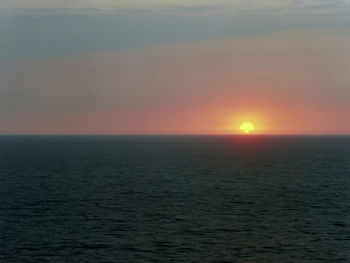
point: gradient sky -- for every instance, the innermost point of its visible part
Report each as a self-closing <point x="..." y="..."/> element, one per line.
<point x="174" y="67"/>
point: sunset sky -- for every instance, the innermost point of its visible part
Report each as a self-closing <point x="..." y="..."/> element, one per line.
<point x="174" y="67"/>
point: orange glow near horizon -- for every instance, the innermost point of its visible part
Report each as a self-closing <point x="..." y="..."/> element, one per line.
<point x="281" y="87"/>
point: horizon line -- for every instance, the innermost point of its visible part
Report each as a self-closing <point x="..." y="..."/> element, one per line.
<point x="174" y="134"/>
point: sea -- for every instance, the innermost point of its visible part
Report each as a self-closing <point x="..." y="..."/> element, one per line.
<point x="174" y="199"/>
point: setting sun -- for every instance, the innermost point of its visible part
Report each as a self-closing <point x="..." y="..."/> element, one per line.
<point x="247" y="127"/>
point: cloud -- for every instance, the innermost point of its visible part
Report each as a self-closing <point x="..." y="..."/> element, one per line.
<point x="174" y="10"/>
<point x="184" y="7"/>
<point x="52" y="31"/>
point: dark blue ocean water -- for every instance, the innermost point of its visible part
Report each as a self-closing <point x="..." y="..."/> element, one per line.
<point x="174" y="199"/>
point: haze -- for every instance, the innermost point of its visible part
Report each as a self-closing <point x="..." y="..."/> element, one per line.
<point x="180" y="67"/>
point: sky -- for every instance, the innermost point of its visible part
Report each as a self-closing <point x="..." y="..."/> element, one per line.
<point x="174" y="67"/>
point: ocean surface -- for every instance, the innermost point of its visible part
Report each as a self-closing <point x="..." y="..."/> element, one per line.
<point x="174" y="199"/>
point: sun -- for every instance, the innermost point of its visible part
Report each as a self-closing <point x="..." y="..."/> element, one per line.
<point x="247" y="127"/>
